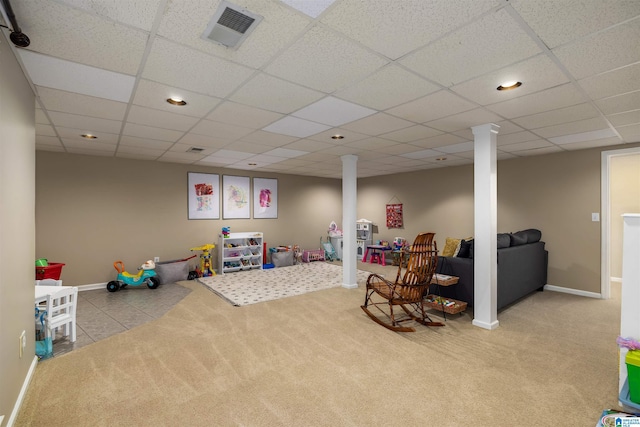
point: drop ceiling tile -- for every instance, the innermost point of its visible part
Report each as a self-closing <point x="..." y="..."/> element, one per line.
<point x="586" y="125"/>
<point x="76" y="134"/>
<point x="90" y="145"/>
<point x="145" y="153"/>
<point x="139" y="14"/>
<point x="185" y="21"/>
<point x="346" y="133"/>
<point x="312" y="9"/>
<point x="556" y="117"/>
<point x="616" y="82"/>
<point x="606" y="142"/>
<point x="231" y="154"/>
<point x="549" y="99"/>
<point x="629" y="133"/>
<point x="204" y="141"/>
<point x="431" y="107"/>
<point x="293" y="126"/>
<point x="457" y="148"/>
<point x="386" y="88"/>
<point x="274" y="94"/>
<point x="370" y="144"/>
<point x="48" y="141"/>
<point x="613" y="48"/>
<point x="439" y="141"/>
<point x="538" y="151"/>
<point x="202" y="73"/>
<point x="160" y="119"/>
<point x="528" y="145"/>
<point x="311" y="61"/>
<point x="623" y="119"/>
<point x="69" y="76"/>
<point x="249" y="147"/>
<point x="182" y="151"/>
<point x="583" y="136"/>
<point x="395" y="149"/>
<point x="148" y="132"/>
<point x="142" y="143"/>
<point x="88" y="124"/>
<point x="243" y="115"/>
<point x="45" y="130"/>
<point x="177" y="158"/>
<point x="286" y="153"/>
<point x="154" y="95"/>
<point x="485" y="45"/>
<point x="333" y="111"/>
<point x="412" y="133"/>
<point x="395" y="28"/>
<point x="559" y="22"/>
<point x="514" y="138"/>
<point x="464" y="120"/>
<point x="75" y="35"/>
<point x="74" y="103"/>
<point x="378" y="124"/>
<point x="309" y="145"/>
<point x="536" y="74"/>
<point x="220" y="130"/>
<point x="619" y="104"/>
<point x="41" y="117"/>
<point x="269" y="138"/>
<point x="422" y="154"/>
<point x="91" y="152"/>
<point x="505" y="127"/>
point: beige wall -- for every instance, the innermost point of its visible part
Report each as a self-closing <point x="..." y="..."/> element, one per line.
<point x="624" y="194"/>
<point x="17" y="237"/>
<point x="555" y="193"/>
<point x="92" y="211"/>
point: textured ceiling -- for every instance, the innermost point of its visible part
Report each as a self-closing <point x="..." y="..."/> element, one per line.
<point x="402" y="80"/>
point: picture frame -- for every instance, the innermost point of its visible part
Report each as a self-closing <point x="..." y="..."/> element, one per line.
<point x="203" y="190"/>
<point x="265" y="198"/>
<point x="236" y="199"/>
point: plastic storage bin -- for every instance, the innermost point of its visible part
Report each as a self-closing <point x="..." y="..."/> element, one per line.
<point x="52" y="271"/>
<point x="633" y="373"/>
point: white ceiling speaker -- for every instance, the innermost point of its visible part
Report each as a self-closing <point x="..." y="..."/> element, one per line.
<point x="231" y="25"/>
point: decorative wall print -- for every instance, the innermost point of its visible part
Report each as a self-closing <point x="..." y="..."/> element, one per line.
<point x="394" y="215"/>
<point x="235" y="197"/>
<point x="265" y="198"/>
<point x="204" y="195"/>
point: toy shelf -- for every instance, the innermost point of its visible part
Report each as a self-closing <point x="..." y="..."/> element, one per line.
<point x="240" y="252"/>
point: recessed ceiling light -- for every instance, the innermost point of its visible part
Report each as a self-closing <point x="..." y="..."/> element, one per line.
<point x="337" y="137"/>
<point x="88" y="136"/>
<point x="441" y="159"/>
<point x="509" y="85"/>
<point x="176" y="101"/>
<point x="252" y="164"/>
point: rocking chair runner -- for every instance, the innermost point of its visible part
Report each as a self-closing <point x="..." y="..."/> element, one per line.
<point x="407" y="291"/>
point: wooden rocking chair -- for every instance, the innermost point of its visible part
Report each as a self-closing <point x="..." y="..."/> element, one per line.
<point x="407" y="291"/>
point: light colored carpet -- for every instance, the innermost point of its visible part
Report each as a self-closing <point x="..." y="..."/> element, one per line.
<point x="254" y="286"/>
<point x="317" y="360"/>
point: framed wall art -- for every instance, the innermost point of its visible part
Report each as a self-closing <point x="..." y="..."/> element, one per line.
<point x="203" y="195"/>
<point x="235" y="197"/>
<point x="265" y="198"/>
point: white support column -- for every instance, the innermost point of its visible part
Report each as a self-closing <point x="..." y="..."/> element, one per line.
<point x="485" y="255"/>
<point x="349" y="207"/>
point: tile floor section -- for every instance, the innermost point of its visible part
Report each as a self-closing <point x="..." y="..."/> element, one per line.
<point x="101" y="314"/>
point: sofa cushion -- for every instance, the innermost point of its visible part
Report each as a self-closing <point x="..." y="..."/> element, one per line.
<point x="451" y="247"/>
<point x="518" y="239"/>
<point x="465" y="249"/>
<point x="523" y="237"/>
<point x="504" y="240"/>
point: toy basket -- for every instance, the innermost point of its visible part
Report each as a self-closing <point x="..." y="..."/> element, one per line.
<point x="52" y="271"/>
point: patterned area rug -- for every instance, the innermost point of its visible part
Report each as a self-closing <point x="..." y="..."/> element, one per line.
<point x="250" y="287"/>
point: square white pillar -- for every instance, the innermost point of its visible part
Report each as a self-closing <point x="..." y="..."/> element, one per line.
<point x="349" y="208"/>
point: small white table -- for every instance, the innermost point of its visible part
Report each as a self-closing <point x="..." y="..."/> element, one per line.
<point x="43" y="291"/>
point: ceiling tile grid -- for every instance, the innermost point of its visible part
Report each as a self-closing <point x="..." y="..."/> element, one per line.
<point x="401" y="82"/>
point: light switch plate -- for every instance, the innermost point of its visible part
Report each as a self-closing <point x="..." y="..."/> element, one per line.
<point x="595" y="217"/>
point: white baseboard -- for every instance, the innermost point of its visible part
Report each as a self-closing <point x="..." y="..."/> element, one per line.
<point x="23" y="392"/>
<point x="573" y="291"/>
<point x="92" y="287"/>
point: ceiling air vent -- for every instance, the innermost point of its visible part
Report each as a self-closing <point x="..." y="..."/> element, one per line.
<point x="231" y="25"/>
<point x="195" y="150"/>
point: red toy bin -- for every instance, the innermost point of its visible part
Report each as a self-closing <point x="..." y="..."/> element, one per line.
<point x="52" y="271"/>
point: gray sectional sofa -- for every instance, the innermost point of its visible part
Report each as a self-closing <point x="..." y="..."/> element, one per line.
<point x="522" y="268"/>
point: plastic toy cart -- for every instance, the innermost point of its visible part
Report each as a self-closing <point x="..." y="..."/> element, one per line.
<point x="51" y="271"/>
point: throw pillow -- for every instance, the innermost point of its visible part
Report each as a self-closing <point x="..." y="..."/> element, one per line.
<point x="465" y="248"/>
<point x="451" y="247"/>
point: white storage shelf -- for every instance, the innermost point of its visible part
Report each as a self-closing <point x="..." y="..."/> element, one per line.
<point x="240" y="252"/>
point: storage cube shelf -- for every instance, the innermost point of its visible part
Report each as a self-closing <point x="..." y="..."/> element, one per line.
<point x="240" y="252"/>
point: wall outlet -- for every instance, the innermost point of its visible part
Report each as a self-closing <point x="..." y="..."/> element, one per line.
<point x="156" y="259"/>
<point x="595" y="217"/>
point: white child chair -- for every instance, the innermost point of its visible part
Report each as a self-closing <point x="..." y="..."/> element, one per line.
<point x="48" y="282"/>
<point x="61" y="311"/>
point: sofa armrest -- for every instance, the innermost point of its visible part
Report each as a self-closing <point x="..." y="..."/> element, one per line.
<point x="461" y="268"/>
